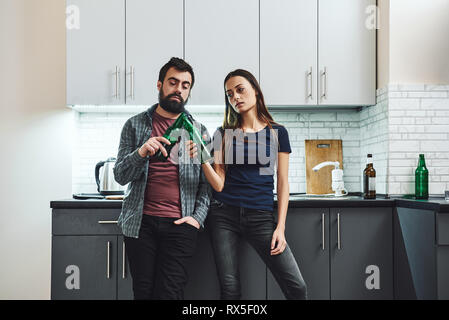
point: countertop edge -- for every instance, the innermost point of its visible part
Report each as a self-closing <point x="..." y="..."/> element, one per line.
<point x="406" y="203"/>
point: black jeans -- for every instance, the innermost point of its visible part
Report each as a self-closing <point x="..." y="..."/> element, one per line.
<point x="227" y="224"/>
<point x="158" y="258"/>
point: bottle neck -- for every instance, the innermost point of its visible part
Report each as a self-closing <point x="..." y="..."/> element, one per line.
<point x="422" y="162"/>
<point x="369" y="161"/>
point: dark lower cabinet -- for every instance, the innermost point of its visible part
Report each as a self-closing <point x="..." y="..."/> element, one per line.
<point x="305" y="233"/>
<point x="361" y="255"/>
<point x="343" y="253"/>
<point x="443" y="272"/>
<point x="421" y="253"/>
<point x="88" y="259"/>
<point x="124" y="279"/>
<point x="90" y="267"/>
<point x="84" y="267"/>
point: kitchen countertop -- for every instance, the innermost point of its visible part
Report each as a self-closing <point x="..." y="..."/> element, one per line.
<point x="433" y="203"/>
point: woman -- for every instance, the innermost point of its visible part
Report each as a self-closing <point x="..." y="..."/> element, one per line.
<point x="242" y="176"/>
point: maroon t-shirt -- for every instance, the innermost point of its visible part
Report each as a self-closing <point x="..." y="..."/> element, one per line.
<point x="162" y="197"/>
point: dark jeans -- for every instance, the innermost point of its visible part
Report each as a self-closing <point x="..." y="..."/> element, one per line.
<point x="158" y="258"/>
<point x="227" y="224"/>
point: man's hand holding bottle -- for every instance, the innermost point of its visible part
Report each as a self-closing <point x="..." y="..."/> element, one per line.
<point x="152" y="146"/>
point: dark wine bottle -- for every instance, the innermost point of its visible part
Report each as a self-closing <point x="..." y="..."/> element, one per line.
<point x="369" y="179"/>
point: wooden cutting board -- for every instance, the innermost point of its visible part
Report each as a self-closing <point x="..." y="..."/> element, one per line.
<point x="318" y="151"/>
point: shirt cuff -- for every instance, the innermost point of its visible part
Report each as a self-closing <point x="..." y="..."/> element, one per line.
<point x="136" y="159"/>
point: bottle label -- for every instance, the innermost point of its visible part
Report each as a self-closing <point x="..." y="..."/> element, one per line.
<point x="372" y="184"/>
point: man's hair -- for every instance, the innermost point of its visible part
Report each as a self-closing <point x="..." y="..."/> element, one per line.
<point x="179" y="65"/>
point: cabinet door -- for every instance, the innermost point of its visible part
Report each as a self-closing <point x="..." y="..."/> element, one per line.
<point x="347" y="52"/>
<point x="84" y="267"/>
<point x="288" y="51"/>
<point x="305" y="230"/>
<point x="361" y="253"/>
<point x="442" y="272"/>
<point x="154" y="34"/>
<point x="96" y="52"/>
<point x="124" y="279"/>
<point x="220" y="36"/>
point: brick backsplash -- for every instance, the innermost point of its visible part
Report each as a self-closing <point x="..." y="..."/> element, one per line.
<point x="407" y="120"/>
<point x="99" y="134"/>
<point x="418" y="123"/>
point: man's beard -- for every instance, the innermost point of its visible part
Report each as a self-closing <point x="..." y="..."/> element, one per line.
<point x="172" y="106"/>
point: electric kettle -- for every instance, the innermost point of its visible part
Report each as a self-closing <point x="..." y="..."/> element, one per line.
<point x="106" y="184"/>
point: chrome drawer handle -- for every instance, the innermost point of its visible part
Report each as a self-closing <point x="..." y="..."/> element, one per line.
<point x="123" y="261"/>
<point x="108" y="258"/>
<point x="338" y="232"/>
<point x="108" y="222"/>
<point x="322" y="231"/>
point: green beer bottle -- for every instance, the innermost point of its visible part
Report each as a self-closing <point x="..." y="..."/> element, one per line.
<point x="172" y="134"/>
<point x="421" y="179"/>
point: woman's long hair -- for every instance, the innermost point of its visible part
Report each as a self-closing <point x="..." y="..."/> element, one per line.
<point x="233" y="120"/>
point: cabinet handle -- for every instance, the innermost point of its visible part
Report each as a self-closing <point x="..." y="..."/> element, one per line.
<point x="108" y="222"/>
<point x="131" y="74"/>
<point x="123" y="261"/>
<point x="107" y="260"/>
<point x="117" y="82"/>
<point x="338" y="232"/>
<point x="322" y="231"/>
<point x="310" y="84"/>
<point x="324" y="76"/>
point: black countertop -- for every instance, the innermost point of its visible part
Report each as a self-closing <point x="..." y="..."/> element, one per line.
<point x="433" y="203"/>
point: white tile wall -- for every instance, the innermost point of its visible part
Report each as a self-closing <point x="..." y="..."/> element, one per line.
<point x="418" y="123"/>
<point x="374" y="139"/>
<point x="407" y="120"/>
<point x="99" y="135"/>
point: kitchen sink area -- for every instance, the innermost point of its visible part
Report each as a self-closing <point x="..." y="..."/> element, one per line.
<point x="323" y="197"/>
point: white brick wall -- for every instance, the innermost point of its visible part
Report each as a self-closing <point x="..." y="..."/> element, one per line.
<point x="407" y="120"/>
<point x="99" y="134"/>
<point x="374" y="140"/>
<point x="418" y="123"/>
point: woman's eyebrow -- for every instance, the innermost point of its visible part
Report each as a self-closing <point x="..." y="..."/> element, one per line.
<point x="234" y="87"/>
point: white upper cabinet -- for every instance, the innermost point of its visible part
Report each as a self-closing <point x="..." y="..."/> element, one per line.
<point x="116" y="54"/>
<point x="154" y="34"/>
<point x="311" y="52"/>
<point x="220" y="36"/>
<point x="318" y="52"/>
<point x="288" y="51"/>
<point x="96" y="52"/>
<point x="347" y="52"/>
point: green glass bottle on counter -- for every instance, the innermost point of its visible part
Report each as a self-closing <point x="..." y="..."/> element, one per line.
<point x="421" y="179"/>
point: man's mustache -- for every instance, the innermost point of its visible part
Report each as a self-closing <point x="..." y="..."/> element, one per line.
<point x="175" y="95"/>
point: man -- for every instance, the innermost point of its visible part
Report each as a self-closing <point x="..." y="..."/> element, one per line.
<point x="166" y="202"/>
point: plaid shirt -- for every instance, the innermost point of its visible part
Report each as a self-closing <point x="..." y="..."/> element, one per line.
<point x="131" y="168"/>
